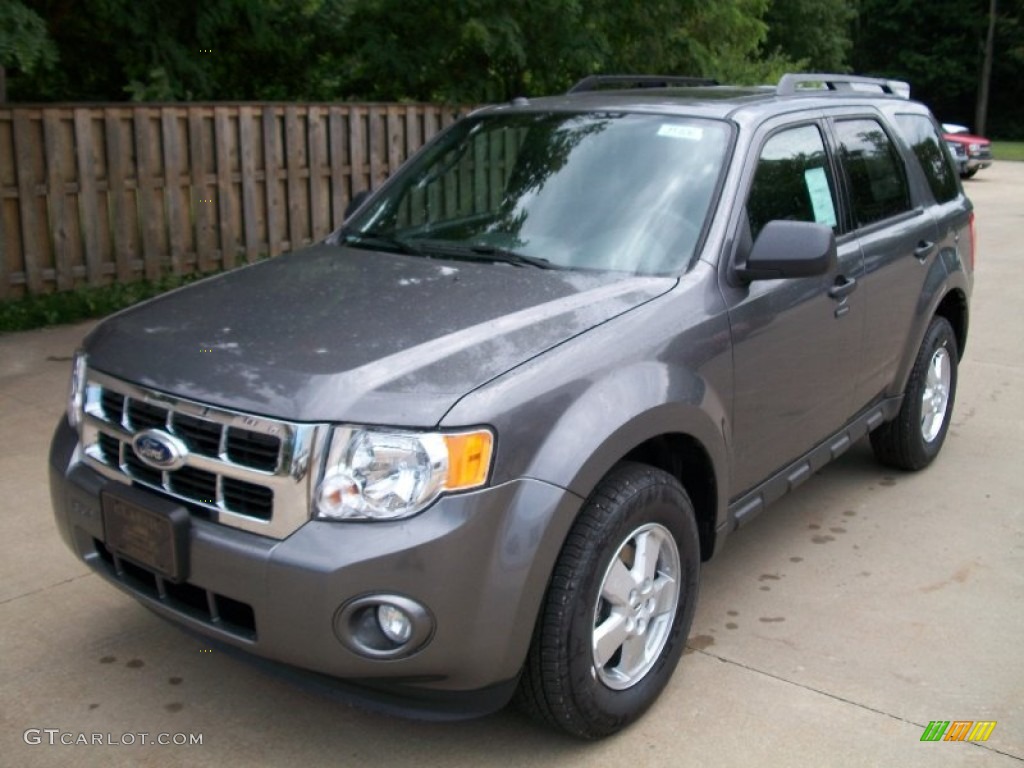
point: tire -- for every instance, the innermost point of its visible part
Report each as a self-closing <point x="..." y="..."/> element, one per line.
<point x="969" y="174"/>
<point x="599" y="589"/>
<point x="913" y="439"/>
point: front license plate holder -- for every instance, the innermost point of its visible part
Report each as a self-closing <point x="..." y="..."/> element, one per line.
<point x="148" y="531"/>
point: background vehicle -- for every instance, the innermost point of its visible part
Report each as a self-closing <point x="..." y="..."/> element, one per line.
<point x="959" y="152"/>
<point x="977" y="149"/>
<point x="477" y="444"/>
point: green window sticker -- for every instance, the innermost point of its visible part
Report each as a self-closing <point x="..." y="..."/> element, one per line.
<point x="821" y="196"/>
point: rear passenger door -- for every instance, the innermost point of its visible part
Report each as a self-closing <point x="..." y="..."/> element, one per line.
<point x="898" y="240"/>
<point x="948" y="207"/>
<point x="796" y="342"/>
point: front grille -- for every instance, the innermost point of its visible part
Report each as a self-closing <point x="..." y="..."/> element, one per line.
<point x="208" y="607"/>
<point x="112" y="404"/>
<point x="196" y="484"/>
<point x="142" y="415"/>
<point x="110" y="449"/>
<point x="144" y="473"/>
<point x="203" y="437"/>
<point x="240" y="470"/>
<point x="252" y="449"/>
<point x="247" y="498"/>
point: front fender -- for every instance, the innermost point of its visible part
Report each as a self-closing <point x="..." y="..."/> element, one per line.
<point x="624" y="410"/>
<point x="569" y="415"/>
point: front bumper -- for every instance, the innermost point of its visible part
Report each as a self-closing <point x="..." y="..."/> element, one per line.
<point x="479" y="562"/>
<point x="978" y="160"/>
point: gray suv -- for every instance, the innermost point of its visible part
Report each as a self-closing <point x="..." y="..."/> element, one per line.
<point x="476" y="444"/>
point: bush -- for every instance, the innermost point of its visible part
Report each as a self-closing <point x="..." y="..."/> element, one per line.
<point x="82" y="303"/>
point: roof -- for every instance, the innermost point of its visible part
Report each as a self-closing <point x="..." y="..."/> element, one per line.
<point x="665" y="95"/>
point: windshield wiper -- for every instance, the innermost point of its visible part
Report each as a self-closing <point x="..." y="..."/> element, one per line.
<point x="434" y="248"/>
<point x="506" y="256"/>
<point x="387" y="240"/>
<point x="490" y="253"/>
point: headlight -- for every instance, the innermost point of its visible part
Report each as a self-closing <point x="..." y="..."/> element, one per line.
<point x="76" y="389"/>
<point x="975" y="147"/>
<point x="386" y="475"/>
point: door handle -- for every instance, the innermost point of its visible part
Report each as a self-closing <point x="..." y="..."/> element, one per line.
<point x="923" y="250"/>
<point x="843" y="287"/>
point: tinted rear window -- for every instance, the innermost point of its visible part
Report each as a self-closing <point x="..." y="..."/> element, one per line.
<point x="926" y="142"/>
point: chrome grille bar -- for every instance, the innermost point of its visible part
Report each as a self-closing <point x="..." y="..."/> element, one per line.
<point x="267" y="494"/>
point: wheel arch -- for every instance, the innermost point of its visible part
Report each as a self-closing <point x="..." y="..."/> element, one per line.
<point x="686" y="442"/>
<point x="685" y="458"/>
<point x="953" y="307"/>
<point x="950" y="301"/>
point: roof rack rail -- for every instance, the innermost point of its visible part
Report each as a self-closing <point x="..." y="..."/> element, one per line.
<point x="595" y="82"/>
<point x="792" y="84"/>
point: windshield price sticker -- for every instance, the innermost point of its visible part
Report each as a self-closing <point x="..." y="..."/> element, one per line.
<point x="687" y="132"/>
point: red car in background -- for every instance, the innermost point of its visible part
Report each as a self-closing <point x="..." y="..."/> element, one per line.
<point x="972" y="152"/>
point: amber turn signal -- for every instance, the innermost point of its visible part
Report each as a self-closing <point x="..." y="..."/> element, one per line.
<point x="469" y="459"/>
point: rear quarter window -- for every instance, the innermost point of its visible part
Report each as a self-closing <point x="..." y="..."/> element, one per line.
<point x="927" y="144"/>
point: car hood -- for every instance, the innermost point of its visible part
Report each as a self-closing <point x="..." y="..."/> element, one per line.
<point x="965" y="138"/>
<point x="339" y="334"/>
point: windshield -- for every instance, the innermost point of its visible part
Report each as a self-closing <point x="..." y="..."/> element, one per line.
<point x="620" y="192"/>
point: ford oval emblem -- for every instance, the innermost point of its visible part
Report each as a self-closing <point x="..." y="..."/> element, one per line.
<point x="159" y="450"/>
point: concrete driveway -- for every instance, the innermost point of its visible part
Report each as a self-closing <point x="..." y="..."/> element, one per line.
<point x="830" y="631"/>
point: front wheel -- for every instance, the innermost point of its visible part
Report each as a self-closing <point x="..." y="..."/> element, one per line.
<point x="619" y="607"/>
<point x="915" y="436"/>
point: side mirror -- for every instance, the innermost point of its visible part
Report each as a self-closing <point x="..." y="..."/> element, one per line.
<point x="357" y="200"/>
<point x="790" y="249"/>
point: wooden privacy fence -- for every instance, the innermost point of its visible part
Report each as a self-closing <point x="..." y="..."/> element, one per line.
<point x="96" y="194"/>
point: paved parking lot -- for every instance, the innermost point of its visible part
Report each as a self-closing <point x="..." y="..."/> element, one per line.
<point x="830" y="631"/>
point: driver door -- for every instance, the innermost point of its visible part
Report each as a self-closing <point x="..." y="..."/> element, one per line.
<point x="797" y="343"/>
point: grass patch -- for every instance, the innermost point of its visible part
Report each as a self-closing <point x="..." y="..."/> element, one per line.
<point x="82" y="303"/>
<point x="1008" y="150"/>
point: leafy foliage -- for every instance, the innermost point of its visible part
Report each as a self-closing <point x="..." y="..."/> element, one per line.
<point x="24" y="43"/>
<point x="815" y="32"/>
<point x="938" y="47"/>
<point x="457" y="51"/>
<point x="82" y="303"/>
<point x="189" y="50"/>
<point x="487" y="50"/>
<point x="475" y="51"/>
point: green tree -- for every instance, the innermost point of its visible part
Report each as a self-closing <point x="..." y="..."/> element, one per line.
<point x="457" y="50"/>
<point x="938" y="47"/>
<point x="1006" y="100"/>
<point x="816" y="33"/>
<point x="489" y="50"/>
<point x="190" y="49"/>
<point x="24" y="43"/>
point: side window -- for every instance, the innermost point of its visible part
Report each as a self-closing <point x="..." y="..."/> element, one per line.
<point x="792" y="181"/>
<point x="878" y="187"/>
<point x="926" y="142"/>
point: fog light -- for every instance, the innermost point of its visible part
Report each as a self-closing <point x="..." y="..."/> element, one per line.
<point x="384" y="626"/>
<point x="394" y="623"/>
